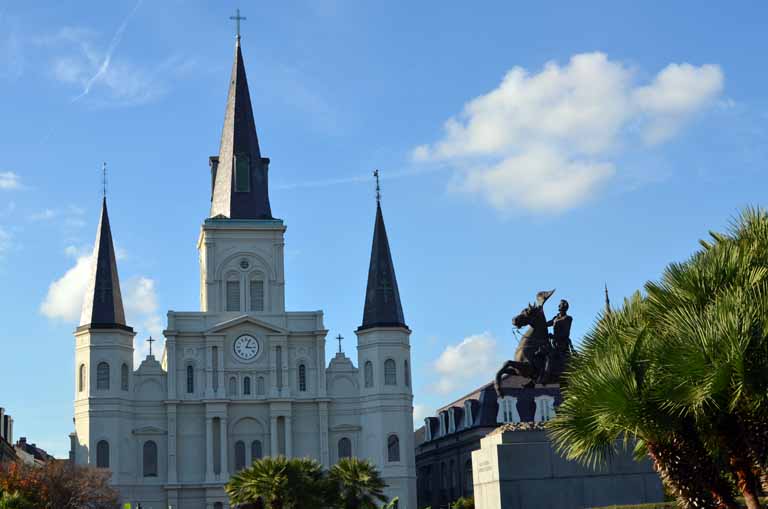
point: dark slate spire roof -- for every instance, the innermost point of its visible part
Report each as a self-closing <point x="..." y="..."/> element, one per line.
<point x="240" y="149"/>
<point x="103" y="304"/>
<point x="382" y="298"/>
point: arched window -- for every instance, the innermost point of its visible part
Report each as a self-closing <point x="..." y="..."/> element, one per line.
<point x="260" y="386"/>
<point x="345" y="448"/>
<point x="81" y="378"/>
<point x="190" y="379"/>
<point x="443" y="476"/>
<point x="232" y="387"/>
<point x="256" y="452"/>
<point x="218" y="505"/>
<point x="393" y="448"/>
<point x="102" y="376"/>
<point x="257" y="294"/>
<point x="390" y="372"/>
<point x="150" y="459"/>
<point x="239" y="455"/>
<point x="452" y="473"/>
<point x="102" y="454"/>
<point x="368" y="374"/>
<point x="302" y="378"/>
<point x="233" y="293"/>
<point x="124" y="377"/>
<point x="407" y="374"/>
<point x="247" y="386"/>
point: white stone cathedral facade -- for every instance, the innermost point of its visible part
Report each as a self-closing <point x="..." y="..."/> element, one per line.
<point x="243" y="377"/>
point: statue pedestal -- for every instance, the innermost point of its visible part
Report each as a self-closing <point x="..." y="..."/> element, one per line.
<point x="521" y="470"/>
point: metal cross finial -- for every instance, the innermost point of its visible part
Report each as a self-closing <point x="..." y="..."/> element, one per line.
<point x="339" y="337"/>
<point x="150" y="341"/>
<point x="378" y="187"/>
<point x="104" y="178"/>
<point x="237" y="19"/>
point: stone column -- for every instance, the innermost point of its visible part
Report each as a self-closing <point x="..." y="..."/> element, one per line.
<point x="288" y="437"/>
<point x="172" y="471"/>
<point x="209" y="449"/>
<point x="224" y="447"/>
<point x="208" y="370"/>
<point x="321" y="383"/>
<point x="325" y="456"/>
<point x="273" y="449"/>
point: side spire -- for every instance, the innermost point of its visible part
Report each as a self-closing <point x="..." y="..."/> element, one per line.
<point x="103" y="303"/>
<point x="382" y="297"/>
<point x="240" y="184"/>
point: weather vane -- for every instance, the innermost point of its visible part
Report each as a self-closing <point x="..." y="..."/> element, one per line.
<point x="378" y="187"/>
<point x="237" y="19"/>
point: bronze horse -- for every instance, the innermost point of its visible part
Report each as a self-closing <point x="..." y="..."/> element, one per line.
<point x="536" y="358"/>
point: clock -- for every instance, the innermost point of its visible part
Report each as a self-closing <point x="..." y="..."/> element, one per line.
<point x="246" y="347"/>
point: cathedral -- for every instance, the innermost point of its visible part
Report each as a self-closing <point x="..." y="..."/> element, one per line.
<point x="242" y="378"/>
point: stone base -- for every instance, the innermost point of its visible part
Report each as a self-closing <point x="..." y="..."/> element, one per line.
<point x="521" y="470"/>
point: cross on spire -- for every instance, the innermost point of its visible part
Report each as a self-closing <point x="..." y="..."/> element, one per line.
<point x="237" y="19"/>
<point x="339" y="338"/>
<point x="378" y="187"/>
<point x="104" y="178"/>
<point x="150" y="341"/>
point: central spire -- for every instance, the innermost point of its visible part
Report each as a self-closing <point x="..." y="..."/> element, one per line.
<point x="239" y="174"/>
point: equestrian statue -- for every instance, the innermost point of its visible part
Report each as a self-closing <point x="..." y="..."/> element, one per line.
<point x="540" y="357"/>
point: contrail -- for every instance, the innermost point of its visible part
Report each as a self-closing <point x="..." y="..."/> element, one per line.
<point x="110" y="49"/>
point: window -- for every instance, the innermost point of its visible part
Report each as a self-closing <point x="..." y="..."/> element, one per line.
<point x="507" y="410"/>
<point x="218" y="505"/>
<point x="239" y="455"/>
<point x="345" y="448"/>
<point x="260" y="386"/>
<point x="407" y="374"/>
<point x="233" y="387"/>
<point x="247" y="386"/>
<point x="368" y="374"/>
<point x="150" y="459"/>
<point x="190" y="379"/>
<point x="257" y="295"/>
<point x="256" y="453"/>
<point x="102" y="454"/>
<point x="124" y="377"/>
<point x="468" y="419"/>
<point x="233" y="295"/>
<point x="242" y="173"/>
<point x="393" y="448"/>
<point x="390" y="372"/>
<point x="545" y="409"/>
<point x="302" y="378"/>
<point x="279" y="365"/>
<point x="452" y="473"/>
<point x="81" y="378"/>
<point x="102" y="376"/>
<point x="469" y="485"/>
<point x="451" y="420"/>
<point x="443" y="476"/>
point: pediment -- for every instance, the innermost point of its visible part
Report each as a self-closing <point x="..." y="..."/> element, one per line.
<point x="246" y="320"/>
<point x="149" y="430"/>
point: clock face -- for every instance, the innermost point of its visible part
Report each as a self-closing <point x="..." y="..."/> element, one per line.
<point x="246" y="347"/>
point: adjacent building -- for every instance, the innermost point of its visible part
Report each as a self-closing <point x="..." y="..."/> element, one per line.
<point x="445" y="443"/>
<point x="7" y="452"/>
<point x="243" y="377"/>
<point x="31" y="454"/>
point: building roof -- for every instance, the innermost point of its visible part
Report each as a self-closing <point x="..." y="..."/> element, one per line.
<point x="103" y="303"/>
<point x="382" y="297"/>
<point x="239" y="149"/>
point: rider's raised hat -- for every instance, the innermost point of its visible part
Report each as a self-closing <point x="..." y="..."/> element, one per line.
<point x="543" y="295"/>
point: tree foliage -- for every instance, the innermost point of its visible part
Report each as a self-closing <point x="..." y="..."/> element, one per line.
<point x="682" y="370"/>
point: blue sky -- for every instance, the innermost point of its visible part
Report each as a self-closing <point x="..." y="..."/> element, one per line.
<point x="522" y="148"/>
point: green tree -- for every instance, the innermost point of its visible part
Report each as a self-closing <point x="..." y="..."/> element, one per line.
<point x="15" y="501"/>
<point x="357" y="484"/>
<point x="464" y="503"/>
<point x="279" y="483"/>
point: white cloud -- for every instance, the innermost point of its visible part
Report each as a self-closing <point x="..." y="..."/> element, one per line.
<point x="64" y="299"/>
<point x="141" y="307"/>
<point x="5" y="241"/>
<point x="9" y="180"/>
<point x="44" y="215"/>
<point x="467" y="362"/>
<point x="550" y="138"/>
<point x="420" y="412"/>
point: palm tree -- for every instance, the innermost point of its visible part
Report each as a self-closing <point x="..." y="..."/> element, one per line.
<point x="14" y="501"/>
<point x="279" y="483"/>
<point x="609" y="398"/>
<point x="357" y="483"/>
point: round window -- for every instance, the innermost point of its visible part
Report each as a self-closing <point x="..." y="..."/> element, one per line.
<point x="244" y="264"/>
